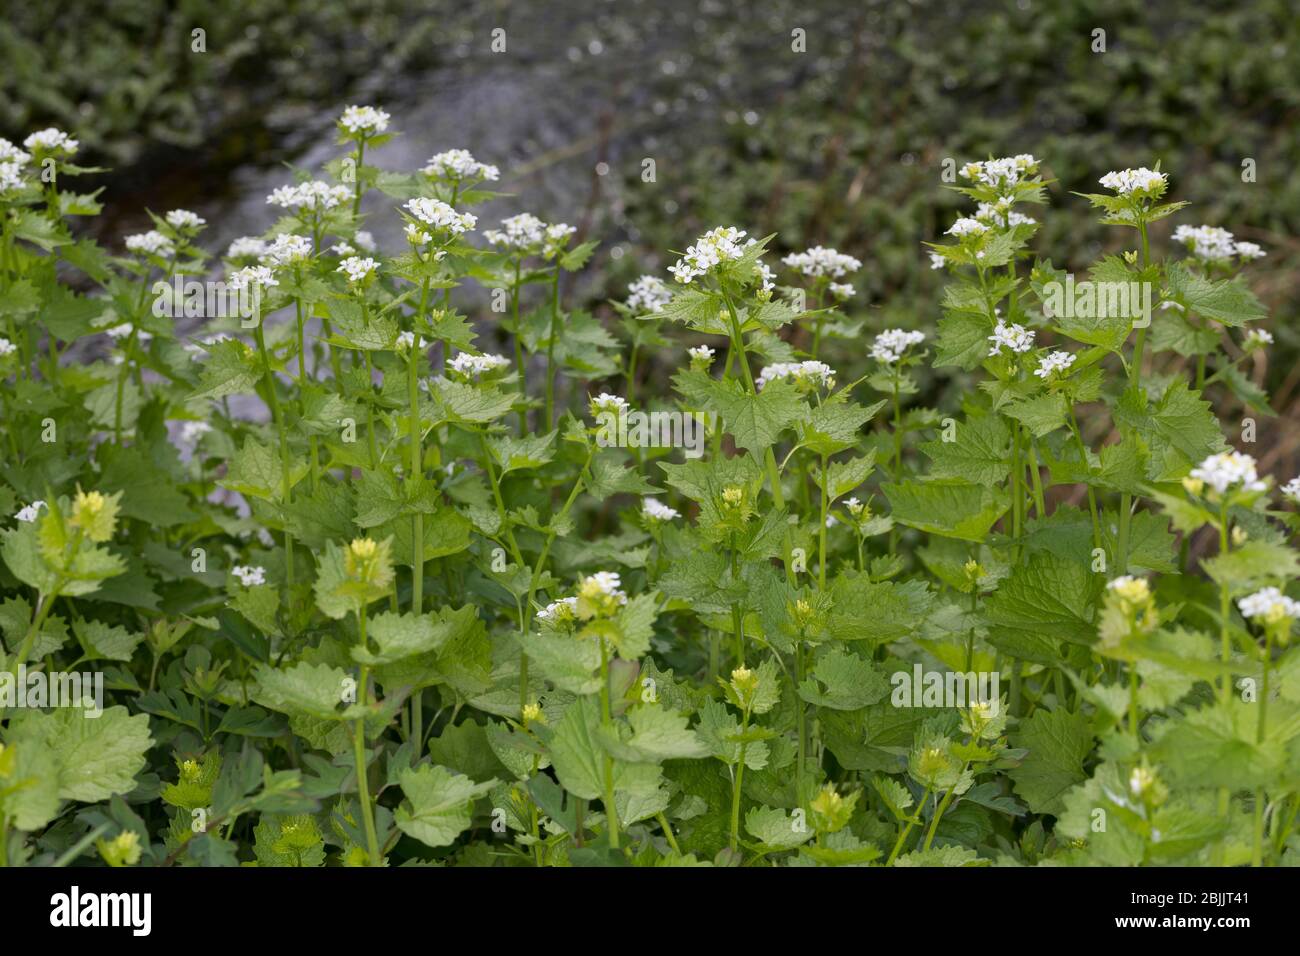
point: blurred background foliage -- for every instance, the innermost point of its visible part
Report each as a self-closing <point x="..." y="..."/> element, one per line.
<point x="842" y="145"/>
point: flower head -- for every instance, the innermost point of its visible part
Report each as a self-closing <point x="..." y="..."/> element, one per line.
<point x="31" y="512"/>
<point x="458" y="165"/>
<point x="701" y="357"/>
<point x="436" y="213"/>
<point x="820" y="261"/>
<point x="1016" y="338"/>
<point x="152" y="243"/>
<point x="310" y="195"/>
<point x="357" y="269"/>
<point x="184" y="219"/>
<point x="559" y="612"/>
<point x="363" y="120"/>
<point x="287" y="248"/>
<point x="1269" y="606"/>
<point x="966" y="226"/>
<point x="892" y="344"/>
<point x="1052" y="363"/>
<point x="600" y="595"/>
<point x="806" y="375"/>
<point x="723" y="244"/>
<point x="1136" y="182"/>
<point x="648" y="294"/>
<point x="249" y="575"/>
<point x="474" y="366"/>
<point x="655" y="510"/>
<point x="1228" y="470"/>
<point x="1292" y="490"/>
<point x="52" y="142"/>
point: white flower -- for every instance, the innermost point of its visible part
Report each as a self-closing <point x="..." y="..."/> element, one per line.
<point x="406" y="339"/>
<point x="854" y="506"/>
<point x="251" y="276"/>
<point x="804" y="373"/>
<point x="1017" y="338"/>
<point x="655" y="509"/>
<point x="9" y="153"/>
<point x="119" y="332"/>
<point x="1227" y="470"/>
<point x="890" y="345"/>
<point x="1001" y="214"/>
<point x="967" y="226"/>
<point x="562" y="610"/>
<point x="1001" y="172"/>
<point x="1131" y="589"/>
<point x="11" y="175"/>
<point x="716" y="246"/>
<point x="287" y="248"/>
<point x="357" y="269"/>
<point x="51" y="140"/>
<point x="246" y="247"/>
<point x="459" y="164"/>
<point x="1269" y="604"/>
<point x="364" y="119"/>
<point x="1053" y="362"/>
<point x="603" y="584"/>
<point x="1292" y="490"/>
<point x="558" y="233"/>
<point x="937" y="261"/>
<point x="343" y="250"/>
<point x="435" y="212"/>
<point x="605" y="402"/>
<point x="152" y="243"/>
<point x="841" y="290"/>
<point x="310" y="195"/>
<point x="1257" y="338"/>
<point x="365" y="240"/>
<point x="184" y="219"/>
<point x="767" y="279"/>
<point x="820" y="261"/>
<point x="191" y="432"/>
<point x="249" y="576"/>
<point x="415" y="235"/>
<point x="648" y="294"/>
<point x="31" y="512"/>
<point x="472" y="366"/>
<point x="1127" y="182"/>
<point x="1206" y="242"/>
<point x="1250" y="250"/>
<point x="524" y="231"/>
<point x="701" y="356"/>
<point x="7" y="347"/>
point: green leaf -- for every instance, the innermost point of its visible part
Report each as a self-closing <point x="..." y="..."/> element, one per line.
<point x="1229" y="302"/>
<point x="776" y="829"/>
<point x="980" y="453"/>
<point x="315" y="690"/>
<point x="439" y="804"/>
<point x="843" y="681"/>
<point x="1047" y="600"/>
<point x="756" y="420"/>
<point x="947" y="507"/>
<point x="97" y="756"/>
<point x="1058" y="743"/>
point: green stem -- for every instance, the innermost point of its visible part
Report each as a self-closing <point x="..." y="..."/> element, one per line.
<point x="740" y="777"/>
<point x="607" y="721"/>
<point x="359" y="755"/>
<point x="902" y="837"/>
<point x="550" y="348"/>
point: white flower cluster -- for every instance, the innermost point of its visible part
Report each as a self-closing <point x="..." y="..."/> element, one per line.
<point x="247" y="247"/>
<point x="1006" y="171"/>
<point x="365" y="120"/>
<point x="51" y="140"/>
<point x="1269" y="603"/>
<point x="407" y="339"/>
<point x="966" y="226"/>
<point x="562" y="610"/>
<point x="809" y="373"/>
<point x="31" y="512"/>
<point x="357" y="268"/>
<point x="251" y="277"/>
<point x="287" y="248"/>
<point x="820" y="261"/>
<point x="1228" y="469"/>
<point x="12" y="161"/>
<point x="701" y="356"/>
<point x="1127" y="182"/>
<point x="459" y="165"/>
<point x="472" y="366"/>
<point x="523" y="231"/>
<point x="603" y="584"/>
<point x="1292" y="490"/>
<point x="1257" y="338"/>
<point x="1001" y="214"/>
<point x="890" y="345"/>
<point x="1057" y="361"/>
<point x="184" y="219"/>
<point x="841" y="290"/>
<point x="648" y="294"/>
<point x="655" y="509"/>
<point x="6" y="347"/>
<point x="1214" y="244"/>
<point x="1017" y="338"/>
<point x="152" y="243"/>
<point x="249" y="576"/>
<point x="937" y="261"/>
<point x="314" y="194"/>
<point x="605" y="402"/>
<point x="436" y="213"/>
<point x="715" y="247"/>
